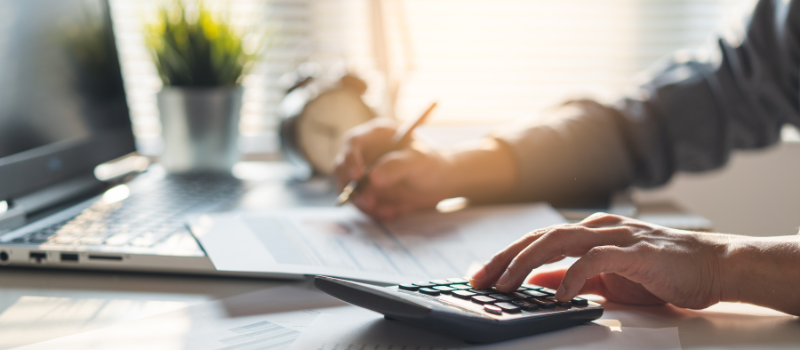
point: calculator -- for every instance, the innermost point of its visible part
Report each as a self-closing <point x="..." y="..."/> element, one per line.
<point x="453" y="307"/>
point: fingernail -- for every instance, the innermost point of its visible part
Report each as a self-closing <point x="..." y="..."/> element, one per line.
<point x="478" y="276"/>
<point x="561" y="290"/>
<point x="503" y="279"/>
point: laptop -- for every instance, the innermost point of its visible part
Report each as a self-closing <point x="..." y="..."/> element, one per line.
<point x="63" y="112"/>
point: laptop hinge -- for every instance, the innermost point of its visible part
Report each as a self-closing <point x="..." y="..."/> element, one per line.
<point x="19" y="208"/>
<point x="11" y="218"/>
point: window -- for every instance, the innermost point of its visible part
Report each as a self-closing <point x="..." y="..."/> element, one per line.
<point x="484" y="61"/>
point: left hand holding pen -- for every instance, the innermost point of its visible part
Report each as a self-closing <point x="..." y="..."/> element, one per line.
<point x="411" y="178"/>
<point x="621" y="259"/>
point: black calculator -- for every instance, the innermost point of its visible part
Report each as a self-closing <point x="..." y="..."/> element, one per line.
<point x="452" y="306"/>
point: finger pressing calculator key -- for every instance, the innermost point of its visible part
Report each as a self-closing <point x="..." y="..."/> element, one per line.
<point x="451" y="306"/>
<point x="547" y="291"/>
<point x="559" y="303"/>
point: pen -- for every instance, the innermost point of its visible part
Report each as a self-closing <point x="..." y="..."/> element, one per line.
<point x="401" y="136"/>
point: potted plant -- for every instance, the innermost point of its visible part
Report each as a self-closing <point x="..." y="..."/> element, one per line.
<point x="201" y="61"/>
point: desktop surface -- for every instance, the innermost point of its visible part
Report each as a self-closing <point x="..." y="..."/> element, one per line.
<point x="38" y="305"/>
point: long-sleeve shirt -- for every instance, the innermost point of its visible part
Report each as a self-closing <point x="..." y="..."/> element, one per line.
<point x="689" y="117"/>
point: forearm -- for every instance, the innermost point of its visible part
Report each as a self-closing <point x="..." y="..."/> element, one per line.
<point x="486" y="173"/>
<point x="574" y="155"/>
<point x="764" y="271"/>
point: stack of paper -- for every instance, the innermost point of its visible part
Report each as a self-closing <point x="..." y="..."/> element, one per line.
<point x="344" y="242"/>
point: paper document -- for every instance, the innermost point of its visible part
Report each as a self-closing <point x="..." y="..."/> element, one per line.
<point x="344" y="242"/>
<point x="269" y="319"/>
<point x="334" y="332"/>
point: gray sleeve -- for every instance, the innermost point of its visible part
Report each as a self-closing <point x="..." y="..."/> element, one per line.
<point x="689" y="117"/>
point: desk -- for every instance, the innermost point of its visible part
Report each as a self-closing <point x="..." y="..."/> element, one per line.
<point x="38" y="305"/>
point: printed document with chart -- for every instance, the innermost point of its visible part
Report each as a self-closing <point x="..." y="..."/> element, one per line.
<point x="343" y="242"/>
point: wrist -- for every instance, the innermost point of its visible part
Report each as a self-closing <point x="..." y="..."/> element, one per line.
<point x="732" y="256"/>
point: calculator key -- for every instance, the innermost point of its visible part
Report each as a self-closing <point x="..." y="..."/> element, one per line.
<point x="536" y="294"/>
<point x="492" y="309"/>
<point x="423" y="284"/>
<point x="460" y="286"/>
<point x="444" y="289"/>
<point x="441" y="282"/>
<point x="429" y="291"/>
<point x="463" y="294"/>
<point x="482" y="299"/>
<point x="531" y="286"/>
<point x="547" y="291"/>
<point x="458" y="280"/>
<point x="501" y="297"/>
<point x="525" y="305"/>
<point x="483" y="291"/>
<point x="543" y="303"/>
<point x="508" y="307"/>
<point x="580" y="301"/>
<point x="519" y="296"/>
<point x="559" y="303"/>
<point x="410" y="287"/>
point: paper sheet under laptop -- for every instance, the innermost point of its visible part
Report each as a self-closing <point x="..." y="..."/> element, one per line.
<point x="346" y="243"/>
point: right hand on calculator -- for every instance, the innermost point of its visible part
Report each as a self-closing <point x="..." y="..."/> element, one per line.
<point x="634" y="262"/>
<point x="623" y="259"/>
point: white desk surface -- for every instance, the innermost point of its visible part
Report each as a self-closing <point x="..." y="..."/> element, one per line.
<point x="38" y="305"/>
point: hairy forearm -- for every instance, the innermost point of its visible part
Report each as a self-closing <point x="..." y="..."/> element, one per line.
<point x="763" y="271"/>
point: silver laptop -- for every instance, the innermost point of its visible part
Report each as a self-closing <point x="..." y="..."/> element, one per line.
<point x="63" y="112"/>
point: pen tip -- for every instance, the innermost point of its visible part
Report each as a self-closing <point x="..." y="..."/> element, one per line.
<point x="344" y="197"/>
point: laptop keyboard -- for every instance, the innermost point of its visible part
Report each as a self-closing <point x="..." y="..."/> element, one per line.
<point x="153" y="211"/>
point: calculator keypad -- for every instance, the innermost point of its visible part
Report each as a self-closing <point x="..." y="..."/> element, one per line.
<point x="529" y="300"/>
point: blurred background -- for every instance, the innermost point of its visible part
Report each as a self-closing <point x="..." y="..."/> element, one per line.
<point x="486" y="62"/>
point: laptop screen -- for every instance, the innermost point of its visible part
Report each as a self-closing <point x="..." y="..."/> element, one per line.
<point x="62" y="103"/>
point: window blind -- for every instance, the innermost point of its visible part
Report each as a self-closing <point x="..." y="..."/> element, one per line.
<point x="486" y="62"/>
<point x="491" y="61"/>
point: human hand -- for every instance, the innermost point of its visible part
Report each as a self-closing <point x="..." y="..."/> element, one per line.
<point x="624" y="260"/>
<point x="401" y="181"/>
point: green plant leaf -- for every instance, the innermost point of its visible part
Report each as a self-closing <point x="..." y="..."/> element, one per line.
<point x="203" y="52"/>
